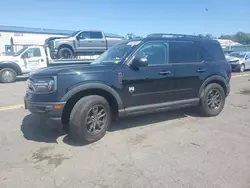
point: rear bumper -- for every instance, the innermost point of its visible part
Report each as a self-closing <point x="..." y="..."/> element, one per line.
<point x="51" y="110"/>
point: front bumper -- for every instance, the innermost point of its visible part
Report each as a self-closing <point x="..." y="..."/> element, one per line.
<point x="53" y="52"/>
<point x="235" y="67"/>
<point x="51" y="110"/>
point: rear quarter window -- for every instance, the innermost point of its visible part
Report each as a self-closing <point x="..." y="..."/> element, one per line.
<point x="211" y="51"/>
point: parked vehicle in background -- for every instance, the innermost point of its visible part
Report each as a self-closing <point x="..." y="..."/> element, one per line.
<point x="240" y="61"/>
<point x="159" y="72"/>
<point x="82" y="43"/>
<point x="31" y="58"/>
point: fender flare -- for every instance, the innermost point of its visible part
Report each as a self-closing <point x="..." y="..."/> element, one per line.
<point x="12" y="65"/>
<point x="68" y="45"/>
<point x="215" y="78"/>
<point x="86" y="86"/>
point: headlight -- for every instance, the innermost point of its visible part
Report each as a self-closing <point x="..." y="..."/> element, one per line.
<point x="42" y="85"/>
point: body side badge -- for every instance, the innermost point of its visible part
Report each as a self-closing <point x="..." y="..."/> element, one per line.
<point x="131" y="89"/>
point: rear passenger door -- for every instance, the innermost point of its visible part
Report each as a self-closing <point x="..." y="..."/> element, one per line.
<point x="189" y="69"/>
<point x="97" y="41"/>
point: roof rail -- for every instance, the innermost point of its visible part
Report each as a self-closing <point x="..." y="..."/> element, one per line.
<point x="171" y="35"/>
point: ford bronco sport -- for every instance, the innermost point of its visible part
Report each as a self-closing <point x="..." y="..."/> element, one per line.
<point x="159" y="72"/>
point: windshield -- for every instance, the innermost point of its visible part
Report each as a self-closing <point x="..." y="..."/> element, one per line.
<point x="236" y="54"/>
<point x="20" y="51"/>
<point x="74" y="33"/>
<point x="115" y="54"/>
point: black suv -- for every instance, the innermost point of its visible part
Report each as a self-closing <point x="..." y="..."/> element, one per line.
<point x="159" y="72"/>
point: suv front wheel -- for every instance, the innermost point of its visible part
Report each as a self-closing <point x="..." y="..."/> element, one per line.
<point x="89" y="119"/>
<point x="212" y="100"/>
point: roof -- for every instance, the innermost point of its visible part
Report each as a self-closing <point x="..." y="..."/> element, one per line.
<point x="34" y="30"/>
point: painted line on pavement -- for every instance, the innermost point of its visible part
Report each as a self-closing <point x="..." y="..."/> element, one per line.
<point x="4" y="108"/>
<point x="240" y="75"/>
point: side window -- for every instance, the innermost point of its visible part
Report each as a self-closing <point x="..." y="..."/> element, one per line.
<point x="84" y="35"/>
<point x="183" y="52"/>
<point x="96" y="35"/>
<point x="32" y="52"/>
<point x="211" y="51"/>
<point x="37" y="52"/>
<point x="155" y="52"/>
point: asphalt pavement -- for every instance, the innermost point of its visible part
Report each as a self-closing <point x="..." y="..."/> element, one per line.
<point x="169" y="149"/>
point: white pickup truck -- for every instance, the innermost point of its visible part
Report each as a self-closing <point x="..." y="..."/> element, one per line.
<point x="29" y="59"/>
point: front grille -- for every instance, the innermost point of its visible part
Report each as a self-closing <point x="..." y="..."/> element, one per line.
<point x="51" y="44"/>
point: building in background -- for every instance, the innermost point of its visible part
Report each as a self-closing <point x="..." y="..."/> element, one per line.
<point x="227" y="43"/>
<point x="13" y="38"/>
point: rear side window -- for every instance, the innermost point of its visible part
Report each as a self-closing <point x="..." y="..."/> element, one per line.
<point x="183" y="52"/>
<point x="96" y="35"/>
<point x="211" y="51"/>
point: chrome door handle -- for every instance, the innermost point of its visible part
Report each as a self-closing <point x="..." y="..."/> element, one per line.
<point x="201" y="70"/>
<point x="165" y="72"/>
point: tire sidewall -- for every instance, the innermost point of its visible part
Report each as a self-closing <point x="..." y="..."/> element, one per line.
<point x="242" y="68"/>
<point x="81" y="131"/>
<point x="204" y="106"/>
<point x="14" y="75"/>
<point x="60" y="53"/>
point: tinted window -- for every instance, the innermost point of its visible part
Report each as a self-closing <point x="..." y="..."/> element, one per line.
<point x="183" y="52"/>
<point x="96" y="35"/>
<point x="211" y="51"/>
<point x="155" y="52"/>
<point x="32" y="52"/>
<point x="236" y="54"/>
<point x="84" y="35"/>
<point x="36" y="52"/>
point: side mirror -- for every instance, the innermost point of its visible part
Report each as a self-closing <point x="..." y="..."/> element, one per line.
<point x="78" y="37"/>
<point x="24" y="56"/>
<point x="139" y="62"/>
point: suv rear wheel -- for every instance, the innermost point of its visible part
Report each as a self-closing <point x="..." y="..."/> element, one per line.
<point x="89" y="119"/>
<point x="212" y="100"/>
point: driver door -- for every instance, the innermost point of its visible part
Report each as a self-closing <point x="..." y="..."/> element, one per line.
<point x="33" y="59"/>
<point x="152" y="84"/>
<point x="84" y="40"/>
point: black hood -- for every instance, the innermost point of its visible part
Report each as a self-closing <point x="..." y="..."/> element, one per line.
<point x="72" y="69"/>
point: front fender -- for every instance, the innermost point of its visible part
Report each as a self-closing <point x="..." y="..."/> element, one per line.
<point x="12" y="65"/>
<point x="86" y="86"/>
<point x="62" y="42"/>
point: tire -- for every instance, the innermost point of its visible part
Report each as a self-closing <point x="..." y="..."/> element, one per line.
<point x="206" y="103"/>
<point x="242" y="68"/>
<point x="8" y="75"/>
<point x="65" y="53"/>
<point x="79" y="129"/>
